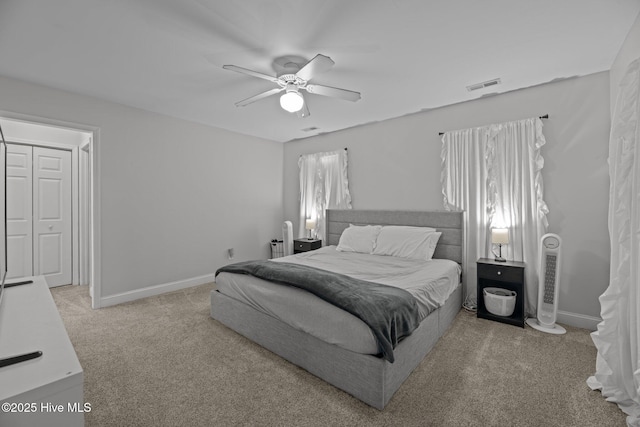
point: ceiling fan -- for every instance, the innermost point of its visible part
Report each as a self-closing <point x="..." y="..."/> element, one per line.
<point x="292" y="80"/>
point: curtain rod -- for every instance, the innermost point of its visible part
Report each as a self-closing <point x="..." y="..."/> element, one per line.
<point x="345" y="149"/>
<point x="546" y="116"/>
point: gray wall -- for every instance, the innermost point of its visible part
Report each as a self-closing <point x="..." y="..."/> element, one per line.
<point x="174" y="194"/>
<point x="395" y="164"/>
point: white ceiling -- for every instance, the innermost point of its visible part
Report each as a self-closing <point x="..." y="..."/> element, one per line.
<point x="403" y="56"/>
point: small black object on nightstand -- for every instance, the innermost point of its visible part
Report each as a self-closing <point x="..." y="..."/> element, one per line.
<point x="306" y="245"/>
<point x="508" y="275"/>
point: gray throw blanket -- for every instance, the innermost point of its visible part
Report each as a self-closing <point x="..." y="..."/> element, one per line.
<point x="391" y="313"/>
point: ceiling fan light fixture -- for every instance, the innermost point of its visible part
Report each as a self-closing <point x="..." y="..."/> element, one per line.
<point x="291" y="79"/>
<point x="292" y="101"/>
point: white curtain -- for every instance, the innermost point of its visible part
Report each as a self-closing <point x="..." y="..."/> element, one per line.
<point x="618" y="336"/>
<point x="323" y="185"/>
<point x="464" y="187"/>
<point x="494" y="174"/>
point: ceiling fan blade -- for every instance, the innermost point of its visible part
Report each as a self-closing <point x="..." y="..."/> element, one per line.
<point x="304" y="111"/>
<point x="258" y="97"/>
<point x="319" y="64"/>
<point x="334" y="92"/>
<point x="251" y="73"/>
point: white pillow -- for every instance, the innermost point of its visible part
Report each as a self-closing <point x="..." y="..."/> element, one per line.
<point x="359" y="238"/>
<point x="433" y="242"/>
<point x="407" y="242"/>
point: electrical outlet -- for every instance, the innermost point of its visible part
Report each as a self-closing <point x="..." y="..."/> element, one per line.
<point x="230" y="253"/>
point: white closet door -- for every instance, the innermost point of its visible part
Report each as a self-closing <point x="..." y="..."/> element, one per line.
<point x="19" y="212"/>
<point x="52" y="215"/>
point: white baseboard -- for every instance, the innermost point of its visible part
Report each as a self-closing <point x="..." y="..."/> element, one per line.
<point x="155" y="290"/>
<point x="578" y="320"/>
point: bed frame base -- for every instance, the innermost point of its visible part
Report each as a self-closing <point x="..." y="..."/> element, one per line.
<point x="368" y="378"/>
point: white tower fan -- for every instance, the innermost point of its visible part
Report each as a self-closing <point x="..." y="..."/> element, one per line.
<point x="287" y="238"/>
<point x="548" y="278"/>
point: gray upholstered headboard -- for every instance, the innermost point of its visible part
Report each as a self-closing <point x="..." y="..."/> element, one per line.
<point x="451" y="224"/>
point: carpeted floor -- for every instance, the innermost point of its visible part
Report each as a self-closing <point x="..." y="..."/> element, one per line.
<point x="162" y="361"/>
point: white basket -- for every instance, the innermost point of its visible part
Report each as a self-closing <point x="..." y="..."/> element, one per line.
<point x="277" y="248"/>
<point x="498" y="301"/>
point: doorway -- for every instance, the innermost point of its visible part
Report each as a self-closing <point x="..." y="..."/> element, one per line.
<point x="48" y="195"/>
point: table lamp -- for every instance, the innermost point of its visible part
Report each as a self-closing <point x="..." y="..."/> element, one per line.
<point x="310" y="224"/>
<point x="500" y="236"/>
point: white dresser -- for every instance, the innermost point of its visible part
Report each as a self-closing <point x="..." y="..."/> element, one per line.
<point x="46" y="391"/>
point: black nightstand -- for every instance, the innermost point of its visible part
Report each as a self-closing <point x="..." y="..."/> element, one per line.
<point x="306" y="245"/>
<point x="507" y="275"/>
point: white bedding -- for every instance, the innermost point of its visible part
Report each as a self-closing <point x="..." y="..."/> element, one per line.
<point x="430" y="282"/>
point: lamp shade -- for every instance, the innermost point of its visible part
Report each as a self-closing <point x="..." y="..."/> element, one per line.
<point x="291" y="101"/>
<point x="500" y="236"/>
<point x="310" y="224"/>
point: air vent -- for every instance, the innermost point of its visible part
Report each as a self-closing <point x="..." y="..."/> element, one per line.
<point x="312" y="128"/>
<point x="483" y="85"/>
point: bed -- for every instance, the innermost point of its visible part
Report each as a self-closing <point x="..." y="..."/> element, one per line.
<point x="342" y="361"/>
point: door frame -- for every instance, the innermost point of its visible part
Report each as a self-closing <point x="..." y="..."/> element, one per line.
<point x="93" y="187"/>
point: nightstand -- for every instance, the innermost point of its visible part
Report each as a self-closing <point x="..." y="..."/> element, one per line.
<point x="306" y="245"/>
<point x="507" y="275"/>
